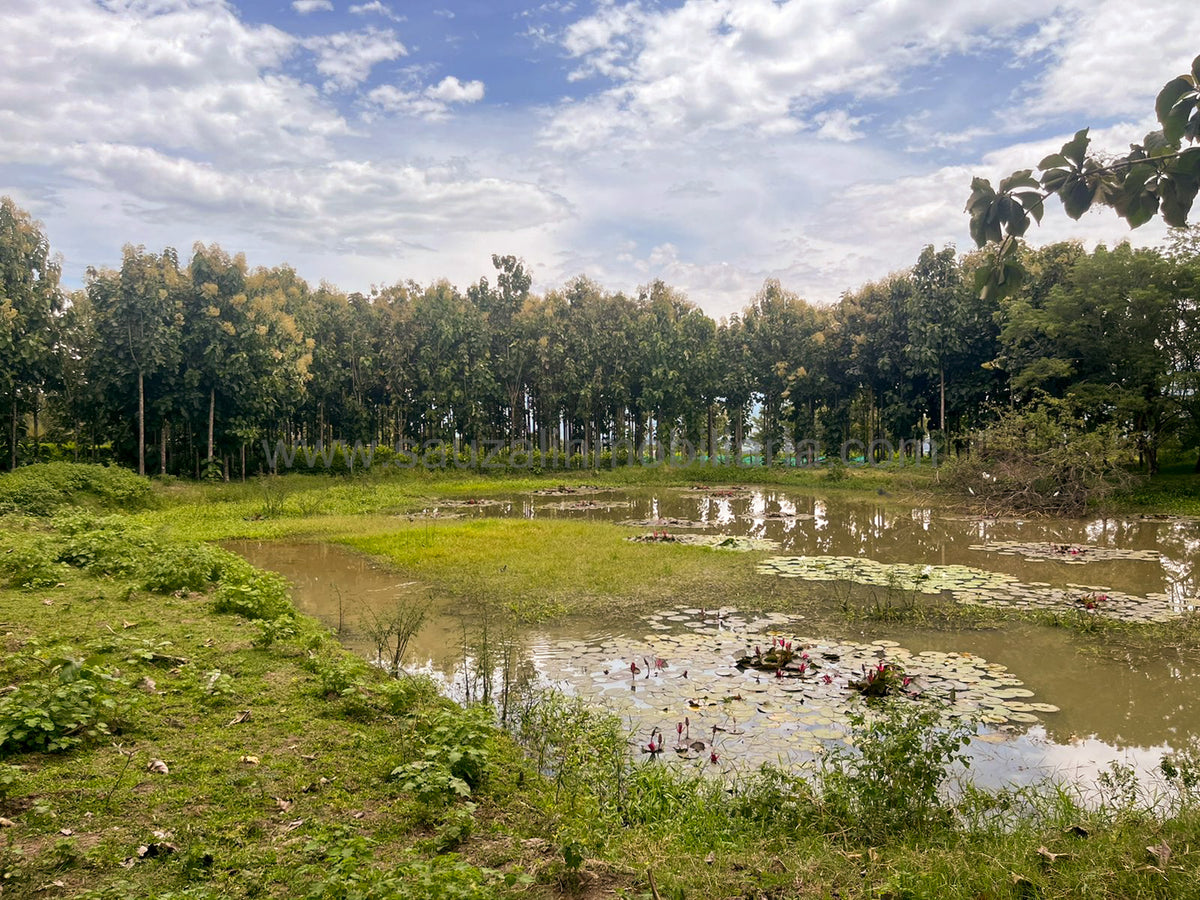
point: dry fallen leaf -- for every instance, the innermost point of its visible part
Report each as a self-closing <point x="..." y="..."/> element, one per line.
<point x="65" y="832"/>
<point x="360" y="814"/>
<point x="292" y="826"/>
<point x="710" y="859"/>
<point x="1161" y="852"/>
<point x="243" y="716"/>
<point x="282" y="804"/>
<point x="6" y="823"/>
<point x="161" y="848"/>
<point x="129" y="624"/>
<point x="47" y="602"/>
<point x="249" y="760"/>
<point x="148" y="684"/>
<point x="1050" y="857"/>
<point x="158" y="766"/>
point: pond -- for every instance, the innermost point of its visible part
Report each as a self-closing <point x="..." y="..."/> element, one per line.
<point x="1047" y="700"/>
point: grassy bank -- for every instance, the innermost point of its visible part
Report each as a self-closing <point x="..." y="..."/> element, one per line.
<point x="172" y="728"/>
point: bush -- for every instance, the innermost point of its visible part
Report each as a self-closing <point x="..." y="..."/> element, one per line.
<point x="1044" y="458"/>
<point x="29" y="565"/>
<point x="73" y="702"/>
<point x="254" y="595"/>
<point x="104" y="545"/>
<point x="889" y="785"/>
<point x="184" y="567"/>
<point x="45" y="488"/>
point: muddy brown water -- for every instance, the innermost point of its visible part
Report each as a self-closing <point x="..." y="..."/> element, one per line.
<point x="1112" y="705"/>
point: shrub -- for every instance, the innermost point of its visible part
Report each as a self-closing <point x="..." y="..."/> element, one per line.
<point x="106" y="545"/>
<point x="43" y="489"/>
<point x="254" y="595"/>
<point x="1043" y="458"/>
<point x="73" y="702"/>
<point x="889" y="784"/>
<point x="29" y="565"/>
<point x="184" y="567"/>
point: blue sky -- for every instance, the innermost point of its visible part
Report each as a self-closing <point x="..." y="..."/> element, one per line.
<point x="710" y="143"/>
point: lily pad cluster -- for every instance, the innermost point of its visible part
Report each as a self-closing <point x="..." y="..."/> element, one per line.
<point x="587" y="504"/>
<point x="566" y="490"/>
<point x="1074" y="554"/>
<point x="684" y="687"/>
<point x="971" y="586"/>
<point x="666" y="522"/>
<point x="716" y="541"/>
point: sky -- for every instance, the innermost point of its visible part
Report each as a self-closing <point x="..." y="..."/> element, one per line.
<point x="713" y="144"/>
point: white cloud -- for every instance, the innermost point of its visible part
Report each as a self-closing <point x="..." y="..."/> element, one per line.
<point x="178" y="121"/>
<point x="838" y="125"/>
<point x="304" y="7"/>
<point x="346" y="58"/>
<point x="433" y="102"/>
<point x="377" y="8"/>
<point x="732" y="64"/>
<point x="451" y="90"/>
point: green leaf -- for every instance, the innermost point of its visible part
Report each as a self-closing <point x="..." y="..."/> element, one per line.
<point x="1077" y="196"/>
<point x="1075" y="149"/>
<point x="1157" y="144"/>
<point x="1054" y="179"/>
<point x="1167" y="107"/>
<point x="1023" y="178"/>
<point x="1177" y="193"/>
<point x="1053" y="161"/>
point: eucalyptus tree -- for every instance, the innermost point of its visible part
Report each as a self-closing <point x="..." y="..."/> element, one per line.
<point x="510" y="349"/>
<point x="737" y="378"/>
<point x="451" y="363"/>
<point x="937" y="317"/>
<point x="30" y="300"/>
<point x="780" y="334"/>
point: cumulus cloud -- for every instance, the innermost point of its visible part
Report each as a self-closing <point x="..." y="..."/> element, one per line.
<point x="347" y="58"/>
<point x="432" y="102"/>
<point x="178" y="121"/>
<point x="375" y="7"/>
<point x="304" y="7"/>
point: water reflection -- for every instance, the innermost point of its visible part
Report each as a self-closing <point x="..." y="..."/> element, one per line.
<point x="1129" y="709"/>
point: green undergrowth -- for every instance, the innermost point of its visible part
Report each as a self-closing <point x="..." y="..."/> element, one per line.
<point x="43" y="489"/>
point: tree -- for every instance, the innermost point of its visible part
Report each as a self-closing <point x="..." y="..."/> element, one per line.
<point x="29" y="302"/>
<point x="139" y="317"/>
<point x="1157" y="176"/>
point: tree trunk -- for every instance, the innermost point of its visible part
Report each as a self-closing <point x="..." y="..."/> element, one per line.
<point x="942" y="391"/>
<point x="162" y="449"/>
<point x="212" y="414"/>
<point x="243" y="462"/>
<point x="37" y="439"/>
<point x="141" y="424"/>
<point x="739" y="436"/>
<point x="712" y="433"/>
<point x="12" y="455"/>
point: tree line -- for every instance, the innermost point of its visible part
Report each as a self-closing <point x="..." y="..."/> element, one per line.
<point x="186" y="367"/>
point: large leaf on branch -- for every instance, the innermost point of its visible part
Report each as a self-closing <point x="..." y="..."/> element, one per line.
<point x="1177" y="193"/>
<point x="1176" y="106"/>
